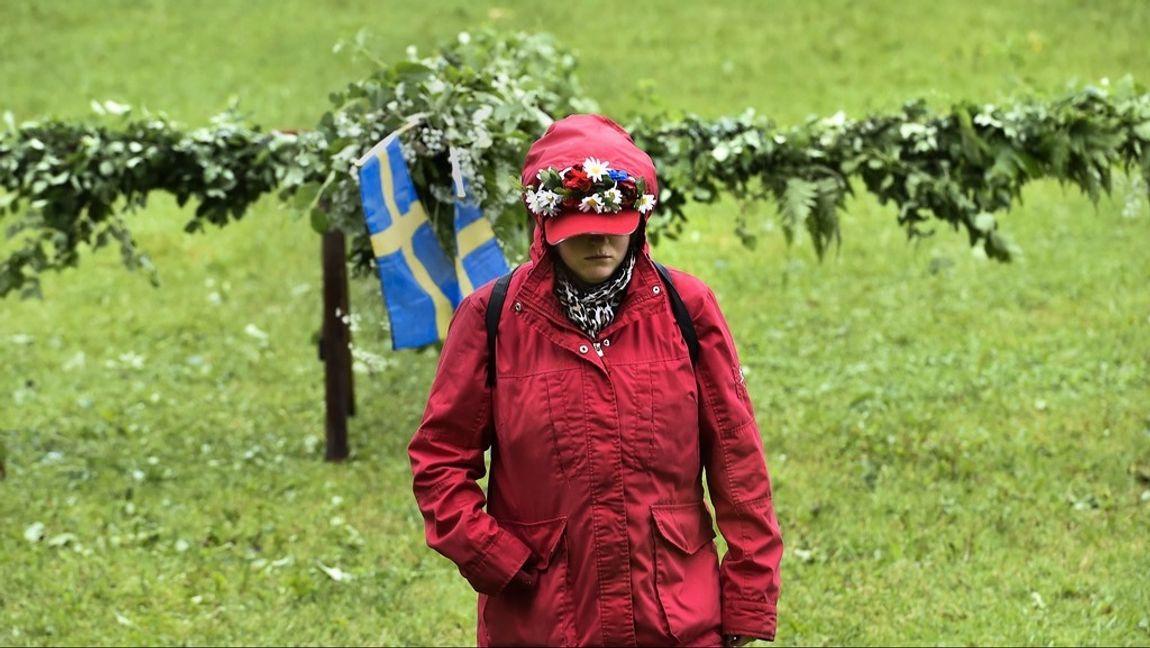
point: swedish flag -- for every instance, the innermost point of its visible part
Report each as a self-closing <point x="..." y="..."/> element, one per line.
<point x="419" y="284"/>
<point x="478" y="258"/>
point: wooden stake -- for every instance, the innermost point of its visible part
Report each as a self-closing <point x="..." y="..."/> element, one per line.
<point x="335" y="346"/>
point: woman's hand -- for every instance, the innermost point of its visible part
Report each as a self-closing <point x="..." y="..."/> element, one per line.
<point x="527" y="576"/>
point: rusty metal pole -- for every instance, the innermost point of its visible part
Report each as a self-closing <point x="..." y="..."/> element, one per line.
<point x="335" y="346"/>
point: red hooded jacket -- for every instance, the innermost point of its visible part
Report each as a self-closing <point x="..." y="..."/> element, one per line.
<point x="596" y="476"/>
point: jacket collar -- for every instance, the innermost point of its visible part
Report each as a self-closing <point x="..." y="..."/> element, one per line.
<point x="536" y="294"/>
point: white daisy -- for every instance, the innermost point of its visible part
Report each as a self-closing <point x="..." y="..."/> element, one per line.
<point x="592" y="202"/>
<point x="613" y="199"/>
<point x="547" y="201"/>
<point x="596" y="169"/>
<point x="535" y="203"/>
<point x="645" y="203"/>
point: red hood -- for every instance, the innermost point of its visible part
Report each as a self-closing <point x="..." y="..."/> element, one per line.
<point x="570" y="141"/>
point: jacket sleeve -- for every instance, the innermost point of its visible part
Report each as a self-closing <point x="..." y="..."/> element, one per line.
<point x="738" y="481"/>
<point x="446" y="455"/>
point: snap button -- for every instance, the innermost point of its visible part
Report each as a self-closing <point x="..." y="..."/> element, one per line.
<point x="582" y="348"/>
<point x="655" y="290"/>
<point x="606" y="342"/>
<point x="518" y="307"/>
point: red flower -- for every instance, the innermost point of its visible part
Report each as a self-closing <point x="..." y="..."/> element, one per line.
<point x="627" y="188"/>
<point x="570" y="202"/>
<point x="576" y="179"/>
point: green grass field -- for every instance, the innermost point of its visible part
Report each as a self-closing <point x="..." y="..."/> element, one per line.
<point x="960" y="449"/>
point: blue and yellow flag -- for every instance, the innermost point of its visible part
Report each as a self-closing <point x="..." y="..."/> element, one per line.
<point x="478" y="258"/>
<point x="419" y="284"/>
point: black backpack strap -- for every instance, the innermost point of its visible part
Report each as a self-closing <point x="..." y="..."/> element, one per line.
<point x="494" y="312"/>
<point x="682" y="317"/>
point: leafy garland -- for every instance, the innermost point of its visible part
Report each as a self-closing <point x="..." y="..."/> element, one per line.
<point x="960" y="167"/>
<point x="70" y="184"/>
<point x="487" y="96"/>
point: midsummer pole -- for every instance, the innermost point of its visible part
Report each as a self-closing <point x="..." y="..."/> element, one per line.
<point x="335" y="346"/>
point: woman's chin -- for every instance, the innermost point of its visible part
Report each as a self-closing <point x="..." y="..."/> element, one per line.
<point x="593" y="276"/>
<point x="596" y="271"/>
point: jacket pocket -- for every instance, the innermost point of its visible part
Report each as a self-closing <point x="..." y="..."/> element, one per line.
<point x="539" y="615"/>
<point x="686" y="569"/>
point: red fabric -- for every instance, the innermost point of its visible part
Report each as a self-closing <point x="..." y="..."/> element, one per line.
<point x="570" y="141"/>
<point x="573" y="223"/>
<point x="594" y="529"/>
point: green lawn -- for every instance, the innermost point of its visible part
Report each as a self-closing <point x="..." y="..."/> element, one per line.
<point x="960" y="449"/>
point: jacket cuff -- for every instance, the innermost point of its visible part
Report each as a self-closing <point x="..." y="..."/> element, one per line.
<point x="756" y="619"/>
<point x="497" y="564"/>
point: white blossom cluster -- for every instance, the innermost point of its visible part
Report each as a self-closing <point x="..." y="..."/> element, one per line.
<point x="924" y="136"/>
<point x="471" y="107"/>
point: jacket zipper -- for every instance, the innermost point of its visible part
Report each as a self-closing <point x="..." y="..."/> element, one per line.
<point x="598" y="348"/>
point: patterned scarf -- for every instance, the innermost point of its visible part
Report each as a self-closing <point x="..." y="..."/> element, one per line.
<point x="593" y="308"/>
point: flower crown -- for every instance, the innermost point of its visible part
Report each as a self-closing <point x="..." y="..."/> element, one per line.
<point x="592" y="186"/>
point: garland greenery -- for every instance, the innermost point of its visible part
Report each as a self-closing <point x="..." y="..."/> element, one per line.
<point x="960" y="167"/>
<point x="487" y="96"/>
<point x="70" y="184"/>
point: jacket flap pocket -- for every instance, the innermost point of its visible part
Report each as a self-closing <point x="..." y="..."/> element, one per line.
<point x="541" y="537"/>
<point x="686" y="526"/>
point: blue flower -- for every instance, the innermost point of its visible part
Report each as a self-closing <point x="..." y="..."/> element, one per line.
<point x="617" y="175"/>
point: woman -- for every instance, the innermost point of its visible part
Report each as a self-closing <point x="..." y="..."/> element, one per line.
<point x="600" y="424"/>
